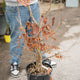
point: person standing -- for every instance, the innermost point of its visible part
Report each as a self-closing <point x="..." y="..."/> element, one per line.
<point x="11" y="14"/>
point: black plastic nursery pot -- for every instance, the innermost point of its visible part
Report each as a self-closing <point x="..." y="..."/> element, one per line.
<point x="38" y="77"/>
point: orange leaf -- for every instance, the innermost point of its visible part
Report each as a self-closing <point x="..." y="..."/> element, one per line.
<point x="42" y="16"/>
<point x="42" y="46"/>
<point x="49" y="52"/>
<point x="28" y="1"/>
<point x="53" y="47"/>
<point x="17" y="46"/>
<point x="28" y="27"/>
<point x="20" y="37"/>
<point x="21" y="28"/>
<point x="61" y="57"/>
<point x="53" y="21"/>
<point x="38" y="70"/>
<point x="45" y="20"/>
<point x="36" y="39"/>
<point x="27" y="50"/>
<point x="46" y="37"/>
<point x="50" y="78"/>
<point x="34" y="31"/>
<point x="45" y="44"/>
<point x="33" y="45"/>
<point x="25" y="30"/>
<point x="51" y="35"/>
<point x="31" y="49"/>
<point x="43" y="49"/>
<point x="57" y="56"/>
<point x="57" y="48"/>
<point x="18" y="41"/>
<point x="24" y="41"/>
<point x="53" y="38"/>
<point x="48" y="47"/>
<point x="28" y="23"/>
<point x="40" y="39"/>
<point x="24" y="48"/>
<point x="40" y="29"/>
<point x="49" y="70"/>
<point x="48" y="27"/>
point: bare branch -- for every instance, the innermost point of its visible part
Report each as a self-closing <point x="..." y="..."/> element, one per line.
<point x="32" y="15"/>
<point x="47" y="50"/>
<point x="48" y="9"/>
<point x="58" y="27"/>
<point x="18" y="21"/>
<point x="51" y="56"/>
<point x="19" y="14"/>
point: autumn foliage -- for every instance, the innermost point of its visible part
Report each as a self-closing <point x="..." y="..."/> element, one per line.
<point x="36" y="38"/>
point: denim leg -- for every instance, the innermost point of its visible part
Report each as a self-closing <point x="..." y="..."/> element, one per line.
<point x="36" y="11"/>
<point x="11" y="14"/>
<point x="36" y="14"/>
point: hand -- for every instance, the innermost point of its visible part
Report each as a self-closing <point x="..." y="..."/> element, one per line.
<point x="24" y="2"/>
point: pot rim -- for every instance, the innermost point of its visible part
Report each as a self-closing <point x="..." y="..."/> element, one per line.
<point x="38" y="75"/>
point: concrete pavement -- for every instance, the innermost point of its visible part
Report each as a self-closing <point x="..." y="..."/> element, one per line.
<point x="69" y="42"/>
<point x="69" y="67"/>
<point x="68" y="39"/>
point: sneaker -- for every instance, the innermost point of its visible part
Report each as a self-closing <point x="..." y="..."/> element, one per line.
<point x="48" y="61"/>
<point x="15" y="69"/>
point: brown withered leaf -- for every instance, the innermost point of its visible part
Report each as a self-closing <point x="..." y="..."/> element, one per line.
<point x="45" y="20"/>
<point x="50" y="78"/>
<point x="21" y="28"/>
<point x="24" y="48"/>
<point x="49" y="52"/>
<point x="49" y="70"/>
<point x="17" y="46"/>
<point x="20" y="37"/>
<point x="53" y="21"/>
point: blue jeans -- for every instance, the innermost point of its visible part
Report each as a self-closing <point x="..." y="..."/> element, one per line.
<point x="11" y="14"/>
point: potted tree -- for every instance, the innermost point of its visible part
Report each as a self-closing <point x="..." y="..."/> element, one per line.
<point x="40" y="43"/>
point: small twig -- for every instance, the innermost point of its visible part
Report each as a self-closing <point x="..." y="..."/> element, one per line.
<point x="51" y="56"/>
<point x="19" y="12"/>
<point x="58" y="27"/>
<point x="47" y="50"/>
<point x="18" y="21"/>
<point x="31" y="14"/>
<point x="48" y="9"/>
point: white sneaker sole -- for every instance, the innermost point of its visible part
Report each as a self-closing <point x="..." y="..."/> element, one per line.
<point x="15" y="73"/>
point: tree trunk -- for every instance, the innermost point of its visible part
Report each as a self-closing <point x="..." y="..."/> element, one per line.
<point x="39" y="60"/>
